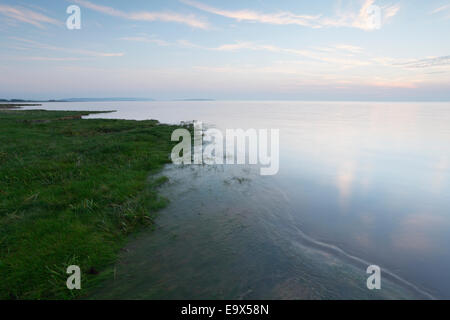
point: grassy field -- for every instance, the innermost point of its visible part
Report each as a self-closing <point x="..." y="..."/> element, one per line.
<point x="71" y="190"/>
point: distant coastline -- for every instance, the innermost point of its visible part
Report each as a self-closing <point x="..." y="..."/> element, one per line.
<point x="220" y="99"/>
<point x="17" y="105"/>
<point x="95" y="100"/>
<point x="75" y="100"/>
<point x="195" y="99"/>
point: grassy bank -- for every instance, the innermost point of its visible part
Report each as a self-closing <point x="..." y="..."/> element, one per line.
<point x="70" y="192"/>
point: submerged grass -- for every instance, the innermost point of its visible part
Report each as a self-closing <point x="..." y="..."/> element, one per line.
<point x="70" y="192"/>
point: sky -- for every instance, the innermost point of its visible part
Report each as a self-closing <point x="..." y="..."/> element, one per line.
<point x="230" y="50"/>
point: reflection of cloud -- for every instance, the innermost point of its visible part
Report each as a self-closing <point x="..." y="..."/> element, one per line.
<point x="345" y="177"/>
<point x="442" y="164"/>
<point x="441" y="171"/>
<point x="416" y="232"/>
<point x="363" y="240"/>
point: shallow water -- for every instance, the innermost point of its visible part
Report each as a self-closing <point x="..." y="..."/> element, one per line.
<point x="359" y="184"/>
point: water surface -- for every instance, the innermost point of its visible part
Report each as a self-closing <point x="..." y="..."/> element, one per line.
<point x="359" y="183"/>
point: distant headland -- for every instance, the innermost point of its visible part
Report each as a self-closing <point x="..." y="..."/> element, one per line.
<point x="75" y="100"/>
<point x="95" y="100"/>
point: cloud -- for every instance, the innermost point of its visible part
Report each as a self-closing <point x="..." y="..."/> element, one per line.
<point x="246" y="45"/>
<point x="27" y="16"/>
<point x="427" y="63"/>
<point x="253" y="16"/>
<point x="440" y="9"/>
<point x="390" y="12"/>
<point x="260" y="47"/>
<point x="362" y="19"/>
<point x="146" y="39"/>
<point x="37" y="58"/>
<point x="39" y="45"/>
<point x="339" y="53"/>
<point x="404" y="84"/>
<point x="349" y="48"/>
<point x="369" y="17"/>
<point x="189" y="20"/>
<point x="187" y="44"/>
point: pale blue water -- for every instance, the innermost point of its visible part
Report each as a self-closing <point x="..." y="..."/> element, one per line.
<point x="359" y="183"/>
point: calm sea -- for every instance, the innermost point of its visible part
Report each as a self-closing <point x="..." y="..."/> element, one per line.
<point x="359" y="183"/>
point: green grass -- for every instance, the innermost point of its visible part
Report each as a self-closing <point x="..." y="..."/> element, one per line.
<point x="71" y="190"/>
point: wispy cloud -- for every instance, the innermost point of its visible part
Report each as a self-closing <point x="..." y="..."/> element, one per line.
<point x="37" y="58"/>
<point x="340" y="54"/>
<point x="330" y="55"/>
<point x="146" y="39"/>
<point x="427" y="63"/>
<point x="389" y="12"/>
<point x="364" y="18"/>
<point x="254" y="16"/>
<point x="190" y="20"/>
<point x="440" y="9"/>
<point x="264" y="47"/>
<point x="26" y="15"/>
<point x="340" y="48"/>
<point x="247" y="45"/>
<point x="34" y="44"/>
<point x="300" y="75"/>
<point x="361" y="19"/>
<point x="393" y="83"/>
